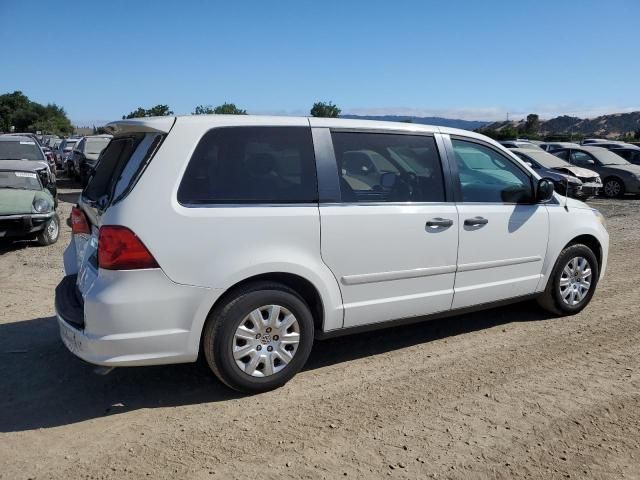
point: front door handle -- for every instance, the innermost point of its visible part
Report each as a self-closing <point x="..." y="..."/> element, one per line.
<point x="475" y="221"/>
<point x="439" y="223"/>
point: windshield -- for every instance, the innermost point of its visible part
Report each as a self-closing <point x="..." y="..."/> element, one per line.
<point x="547" y="160"/>
<point x="22" y="150"/>
<point x="96" y="145"/>
<point x="19" y="180"/>
<point x="607" y="157"/>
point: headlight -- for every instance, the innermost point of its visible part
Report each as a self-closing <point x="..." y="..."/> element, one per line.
<point x="600" y="218"/>
<point x="571" y="179"/>
<point x="40" y="205"/>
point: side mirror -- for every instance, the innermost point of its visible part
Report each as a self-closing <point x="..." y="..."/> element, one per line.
<point x="545" y="189"/>
<point x="388" y="180"/>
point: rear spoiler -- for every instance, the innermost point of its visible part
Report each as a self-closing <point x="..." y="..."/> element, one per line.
<point x="146" y="124"/>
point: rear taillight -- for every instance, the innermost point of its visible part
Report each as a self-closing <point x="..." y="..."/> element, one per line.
<point x="79" y="222"/>
<point x="121" y="249"/>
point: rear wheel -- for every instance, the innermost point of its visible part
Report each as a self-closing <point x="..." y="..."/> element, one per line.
<point x="573" y="281"/>
<point x="259" y="338"/>
<point x="613" y="187"/>
<point x="50" y="232"/>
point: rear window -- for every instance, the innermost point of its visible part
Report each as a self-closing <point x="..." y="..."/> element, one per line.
<point x="120" y="165"/>
<point x="251" y="165"/>
<point x="96" y="145"/>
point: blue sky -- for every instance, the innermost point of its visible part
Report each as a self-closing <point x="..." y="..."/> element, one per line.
<point x="463" y="59"/>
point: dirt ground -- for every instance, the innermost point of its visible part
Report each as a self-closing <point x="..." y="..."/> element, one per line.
<point x="506" y="393"/>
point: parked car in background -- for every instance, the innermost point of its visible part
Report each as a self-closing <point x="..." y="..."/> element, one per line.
<point x="630" y="153"/>
<point x="520" y="144"/>
<point x="32" y="136"/>
<point x="14" y="147"/>
<point x="85" y="155"/>
<point x="27" y="209"/>
<point x="610" y="145"/>
<point x="593" y="141"/>
<point x="177" y="248"/>
<point x="50" y="140"/>
<point x="51" y="158"/>
<point x="582" y="183"/>
<point x="618" y="175"/>
<point x="65" y="151"/>
<point x="548" y="146"/>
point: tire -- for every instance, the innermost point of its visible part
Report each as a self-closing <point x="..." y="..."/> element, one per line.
<point x="51" y="231"/>
<point x="553" y="299"/>
<point x="223" y="323"/>
<point x="613" y="187"/>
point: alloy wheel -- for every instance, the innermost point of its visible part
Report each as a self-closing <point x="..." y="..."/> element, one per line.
<point x="612" y="188"/>
<point x="575" y="281"/>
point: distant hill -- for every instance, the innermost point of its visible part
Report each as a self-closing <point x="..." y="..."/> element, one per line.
<point x="607" y="126"/>
<point x="438" y="121"/>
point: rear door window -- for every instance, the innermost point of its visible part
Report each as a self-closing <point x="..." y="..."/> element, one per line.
<point x="253" y="165"/>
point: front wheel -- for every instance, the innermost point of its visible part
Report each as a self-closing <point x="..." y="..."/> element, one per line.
<point x="51" y="231"/>
<point x="259" y="338"/>
<point x="572" y="282"/>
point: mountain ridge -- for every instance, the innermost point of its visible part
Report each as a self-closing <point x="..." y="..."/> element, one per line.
<point x="609" y="126"/>
<point x="437" y="121"/>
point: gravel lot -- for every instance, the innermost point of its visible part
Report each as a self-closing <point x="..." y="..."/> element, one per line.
<point x="499" y="394"/>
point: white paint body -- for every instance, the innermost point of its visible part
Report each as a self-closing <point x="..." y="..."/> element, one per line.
<point x="369" y="263"/>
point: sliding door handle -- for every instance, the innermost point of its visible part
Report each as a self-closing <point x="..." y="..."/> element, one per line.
<point x="439" y="223"/>
<point x="475" y="221"/>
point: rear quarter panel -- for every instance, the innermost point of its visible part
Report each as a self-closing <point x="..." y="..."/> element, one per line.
<point x="219" y="246"/>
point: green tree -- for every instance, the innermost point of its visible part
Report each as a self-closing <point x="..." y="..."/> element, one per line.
<point x="203" y="110"/>
<point x="24" y="115"/>
<point x="156" y="111"/>
<point x="325" y="109"/>
<point x="532" y="124"/>
<point x="224" y="109"/>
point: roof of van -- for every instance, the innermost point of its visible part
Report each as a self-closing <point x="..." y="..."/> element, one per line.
<point x="164" y="124"/>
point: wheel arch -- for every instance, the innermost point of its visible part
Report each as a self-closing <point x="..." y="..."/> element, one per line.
<point x="299" y="284"/>
<point x="590" y="241"/>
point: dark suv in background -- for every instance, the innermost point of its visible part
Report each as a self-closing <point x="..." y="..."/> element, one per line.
<point x="85" y="155"/>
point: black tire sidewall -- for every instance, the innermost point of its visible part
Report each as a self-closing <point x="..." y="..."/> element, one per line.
<point x="44" y="238"/>
<point x="576" y="250"/>
<point x="218" y="349"/>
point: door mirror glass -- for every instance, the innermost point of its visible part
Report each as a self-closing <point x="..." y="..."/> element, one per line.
<point x="544" y="192"/>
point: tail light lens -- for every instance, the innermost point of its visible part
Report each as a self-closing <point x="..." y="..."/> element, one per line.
<point x="121" y="249"/>
<point x="79" y="222"/>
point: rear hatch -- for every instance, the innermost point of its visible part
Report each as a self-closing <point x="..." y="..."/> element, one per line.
<point x="120" y="166"/>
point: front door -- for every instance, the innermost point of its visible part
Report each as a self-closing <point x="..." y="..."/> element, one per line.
<point x="503" y="234"/>
<point x="390" y="237"/>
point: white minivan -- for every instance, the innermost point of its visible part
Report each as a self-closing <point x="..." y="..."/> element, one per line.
<point x="244" y="238"/>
